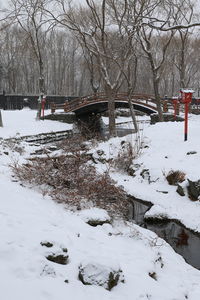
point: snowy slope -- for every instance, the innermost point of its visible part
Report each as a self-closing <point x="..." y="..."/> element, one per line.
<point x="27" y="219"/>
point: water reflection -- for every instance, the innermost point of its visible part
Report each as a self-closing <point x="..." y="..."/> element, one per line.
<point x="183" y="241"/>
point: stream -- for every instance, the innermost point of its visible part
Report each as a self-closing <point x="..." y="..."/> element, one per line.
<point x="184" y="241"/>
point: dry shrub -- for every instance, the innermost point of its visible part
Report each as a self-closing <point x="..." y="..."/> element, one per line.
<point x="175" y="177"/>
<point x="70" y="178"/>
<point x="125" y="157"/>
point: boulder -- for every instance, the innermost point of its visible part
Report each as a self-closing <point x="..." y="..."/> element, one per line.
<point x="95" y="216"/>
<point x="193" y="189"/>
<point x="61" y="259"/>
<point x="145" y="174"/>
<point x="46" y="244"/>
<point x="96" y="274"/>
<point x="180" y="190"/>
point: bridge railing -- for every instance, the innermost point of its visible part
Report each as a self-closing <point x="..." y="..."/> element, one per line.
<point x="99" y="97"/>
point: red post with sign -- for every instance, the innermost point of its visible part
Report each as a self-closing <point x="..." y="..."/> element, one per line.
<point x="186" y="98"/>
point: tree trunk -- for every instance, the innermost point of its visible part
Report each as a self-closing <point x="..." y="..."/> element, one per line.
<point x="132" y="113"/>
<point x="157" y="97"/>
<point x="41" y="89"/>
<point x="110" y="94"/>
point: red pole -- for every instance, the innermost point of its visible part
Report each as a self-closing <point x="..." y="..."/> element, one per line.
<point x="43" y="105"/>
<point x="186" y="95"/>
<point x="186" y="121"/>
<point x="43" y="108"/>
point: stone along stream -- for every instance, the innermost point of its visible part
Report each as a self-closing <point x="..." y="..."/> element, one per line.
<point x="184" y="241"/>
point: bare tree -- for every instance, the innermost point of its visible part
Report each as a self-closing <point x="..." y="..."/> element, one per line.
<point x="155" y="49"/>
<point x="103" y="40"/>
<point x="30" y="17"/>
<point x="93" y="67"/>
<point x="183" y="12"/>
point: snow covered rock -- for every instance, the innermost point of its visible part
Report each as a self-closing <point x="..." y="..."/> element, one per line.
<point x="95" y="216"/>
<point x="180" y="190"/>
<point x="194" y="189"/>
<point x="96" y="274"/>
<point x="59" y="258"/>
<point x="46" y="244"/>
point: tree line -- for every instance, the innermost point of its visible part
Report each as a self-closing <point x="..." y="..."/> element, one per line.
<point x="63" y="48"/>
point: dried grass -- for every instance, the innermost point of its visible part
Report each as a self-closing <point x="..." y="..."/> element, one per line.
<point x="175" y="177"/>
<point x="70" y="178"/>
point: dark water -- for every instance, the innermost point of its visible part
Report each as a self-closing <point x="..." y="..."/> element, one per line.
<point x="183" y="241"/>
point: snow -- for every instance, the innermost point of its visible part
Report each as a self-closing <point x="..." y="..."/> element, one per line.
<point x="150" y="266"/>
<point x="94" y="214"/>
<point x="23" y="122"/>
<point x="165" y="150"/>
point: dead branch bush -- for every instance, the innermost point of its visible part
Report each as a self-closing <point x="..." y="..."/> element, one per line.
<point x="70" y="178"/>
<point x="74" y="144"/>
<point x="175" y="177"/>
<point x="13" y="145"/>
<point x="125" y="157"/>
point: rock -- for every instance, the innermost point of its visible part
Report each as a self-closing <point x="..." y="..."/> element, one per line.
<point x="95" y="216"/>
<point x="193" y="189"/>
<point x="132" y="169"/>
<point x="96" y="274"/>
<point x="166" y="117"/>
<point x="163" y="192"/>
<point x="180" y="190"/>
<point x="100" y="152"/>
<point x="46" y="244"/>
<point x="146" y="175"/>
<point x="191" y="152"/>
<point x="65" y="250"/>
<point x="58" y="258"/>
<point x="153" y="275"/>
<point x="97" y="222"/>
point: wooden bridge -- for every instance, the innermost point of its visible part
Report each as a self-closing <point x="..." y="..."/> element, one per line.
<point x="98" y="103"/>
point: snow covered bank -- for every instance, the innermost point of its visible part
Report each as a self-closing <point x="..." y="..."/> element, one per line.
<point x="164" y="150"/>
<point x="151" y="268"/>
<point x="34" y="227"/>
<point x="23" y="122"/>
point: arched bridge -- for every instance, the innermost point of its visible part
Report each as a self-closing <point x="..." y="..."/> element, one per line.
<point x="98" y="103"/>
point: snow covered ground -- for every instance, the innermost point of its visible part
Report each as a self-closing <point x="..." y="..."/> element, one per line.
<point x="22" y="122"/>
<point x="151" y="269"/>
<point x="164" y="150"/>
